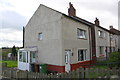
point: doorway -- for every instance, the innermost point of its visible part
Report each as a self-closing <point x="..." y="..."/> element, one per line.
<point x="67" y="60"/>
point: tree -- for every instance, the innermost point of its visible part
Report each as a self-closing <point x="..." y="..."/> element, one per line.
<point x="14" y="52"/>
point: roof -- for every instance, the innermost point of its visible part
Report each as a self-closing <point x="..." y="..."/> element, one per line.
<point x="115" y="31"/>
<point x="90" y="24"/>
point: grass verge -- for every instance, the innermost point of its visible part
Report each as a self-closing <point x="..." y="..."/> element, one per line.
<point x="10" y="63"/>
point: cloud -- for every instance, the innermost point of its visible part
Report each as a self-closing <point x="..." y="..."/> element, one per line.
<point x="12" y="20"/>
<point x="100" y="5"/>
<point x="10" y="37"/>
<point x="14" y="14"/>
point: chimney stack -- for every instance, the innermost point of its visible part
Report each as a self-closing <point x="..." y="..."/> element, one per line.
<point x="97" y="22"/>
<point x="71" y="10"/>
<point x="111" y="27"/>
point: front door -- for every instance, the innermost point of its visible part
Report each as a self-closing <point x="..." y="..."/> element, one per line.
<point x="67" y="60"/>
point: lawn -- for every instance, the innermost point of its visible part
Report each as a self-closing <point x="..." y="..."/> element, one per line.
<point x="10" y="63"/>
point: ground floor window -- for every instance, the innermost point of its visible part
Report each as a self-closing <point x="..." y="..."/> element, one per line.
<point x="22" y="56"/>
<point x="32" y="56"/>
<point x="101" y="49"/>
<point x="82" y="54"/>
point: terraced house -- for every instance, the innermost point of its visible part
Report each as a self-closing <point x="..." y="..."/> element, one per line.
<point x="63" y="42"/>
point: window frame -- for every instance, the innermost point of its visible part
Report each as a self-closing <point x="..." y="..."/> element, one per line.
<point x="20" y="56"/>
<point x="32" y="56"/>
<point x="100" y="33"/>
<point x="40" y="36"/>
<point x="81" y="34"/>
<point x="84" y="54"/>
<point x="24" y="55"/>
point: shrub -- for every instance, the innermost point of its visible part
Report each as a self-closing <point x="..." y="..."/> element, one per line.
<point x="114" y="57"/>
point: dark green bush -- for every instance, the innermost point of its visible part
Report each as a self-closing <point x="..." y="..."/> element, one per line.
<point x="114" y="57"/>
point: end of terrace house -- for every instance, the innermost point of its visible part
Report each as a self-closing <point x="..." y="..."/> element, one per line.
<point x="63" y="42"/>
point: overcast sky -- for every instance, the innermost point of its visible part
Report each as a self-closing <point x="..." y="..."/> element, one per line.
<point x="14" y="14"/>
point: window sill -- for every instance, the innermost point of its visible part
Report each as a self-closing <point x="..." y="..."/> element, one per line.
<point x="83" y="61"/>
<point x="40" y="39"/>
<point x="83" y="38"/>
<point x="101" y="37"/>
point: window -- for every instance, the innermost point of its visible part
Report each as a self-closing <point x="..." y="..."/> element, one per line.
<point x="20" y="56"/>
<point x="100" y="33"/>
<point x="82" y="55"/>
<point x="104" y="34"/>
<point x="100" y="49"/>
<point x="32" y="56"/>
<point x="81" y="33"/>
<point x="24" y="56"/>
<point x="40" y="36"/>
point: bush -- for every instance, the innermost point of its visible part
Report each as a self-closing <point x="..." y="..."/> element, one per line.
<point x="114" y="57"/>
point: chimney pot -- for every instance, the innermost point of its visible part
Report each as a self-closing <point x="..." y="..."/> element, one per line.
<point x="97" y="22"/>
<point x="111" y="27"/>
<point x="71" y="10"/>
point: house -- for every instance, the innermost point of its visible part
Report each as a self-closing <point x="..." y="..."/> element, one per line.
<point x="115" y="39"/>
<point x="102" y="41"/>
<point x="63" y="42"/>
<point x="106" y="41"/>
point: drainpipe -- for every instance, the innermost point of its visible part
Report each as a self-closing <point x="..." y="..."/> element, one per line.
<point x="110" y="43"/>
<point x="23" y="35"/>
<point x="89" y="30"/>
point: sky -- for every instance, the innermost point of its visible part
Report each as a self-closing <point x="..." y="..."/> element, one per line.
<point x="14" y="14"/>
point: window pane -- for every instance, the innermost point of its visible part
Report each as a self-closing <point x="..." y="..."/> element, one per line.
<point x="84" y="54"/>
<point x="32" y="56"/>
<point x="40" y="36"/>
<point x="20" y="56"/>
<point x="81" y="33"/>
<point x="101" y="34"/>
<point x="24" y="56"/>
<point x="81" y="55"/>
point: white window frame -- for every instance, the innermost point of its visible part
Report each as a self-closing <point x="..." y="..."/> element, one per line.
<point x="20" y="56"/>
<point x="23" y="56"/>
<point x="100" y="33"/>
<point x="32" y="59"/>
<point x="84" y="55"/>
<point x="40" y="36"/>
<point x="81" y="33"/>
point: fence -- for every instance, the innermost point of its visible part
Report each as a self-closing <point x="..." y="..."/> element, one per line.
<point x="79" y="73"/>
<point x="9" y="58"/>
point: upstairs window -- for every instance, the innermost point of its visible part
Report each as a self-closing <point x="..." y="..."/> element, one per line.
<point x="40" y="36"/>
<point x="101" y="34"/>
<point x="81" y="33"/>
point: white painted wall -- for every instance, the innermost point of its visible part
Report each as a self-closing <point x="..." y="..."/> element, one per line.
<point x="70" y="39"/>
<point x="49" y="48"/>
<point x="59" y="33"/>
<point x="101" y="41"/>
